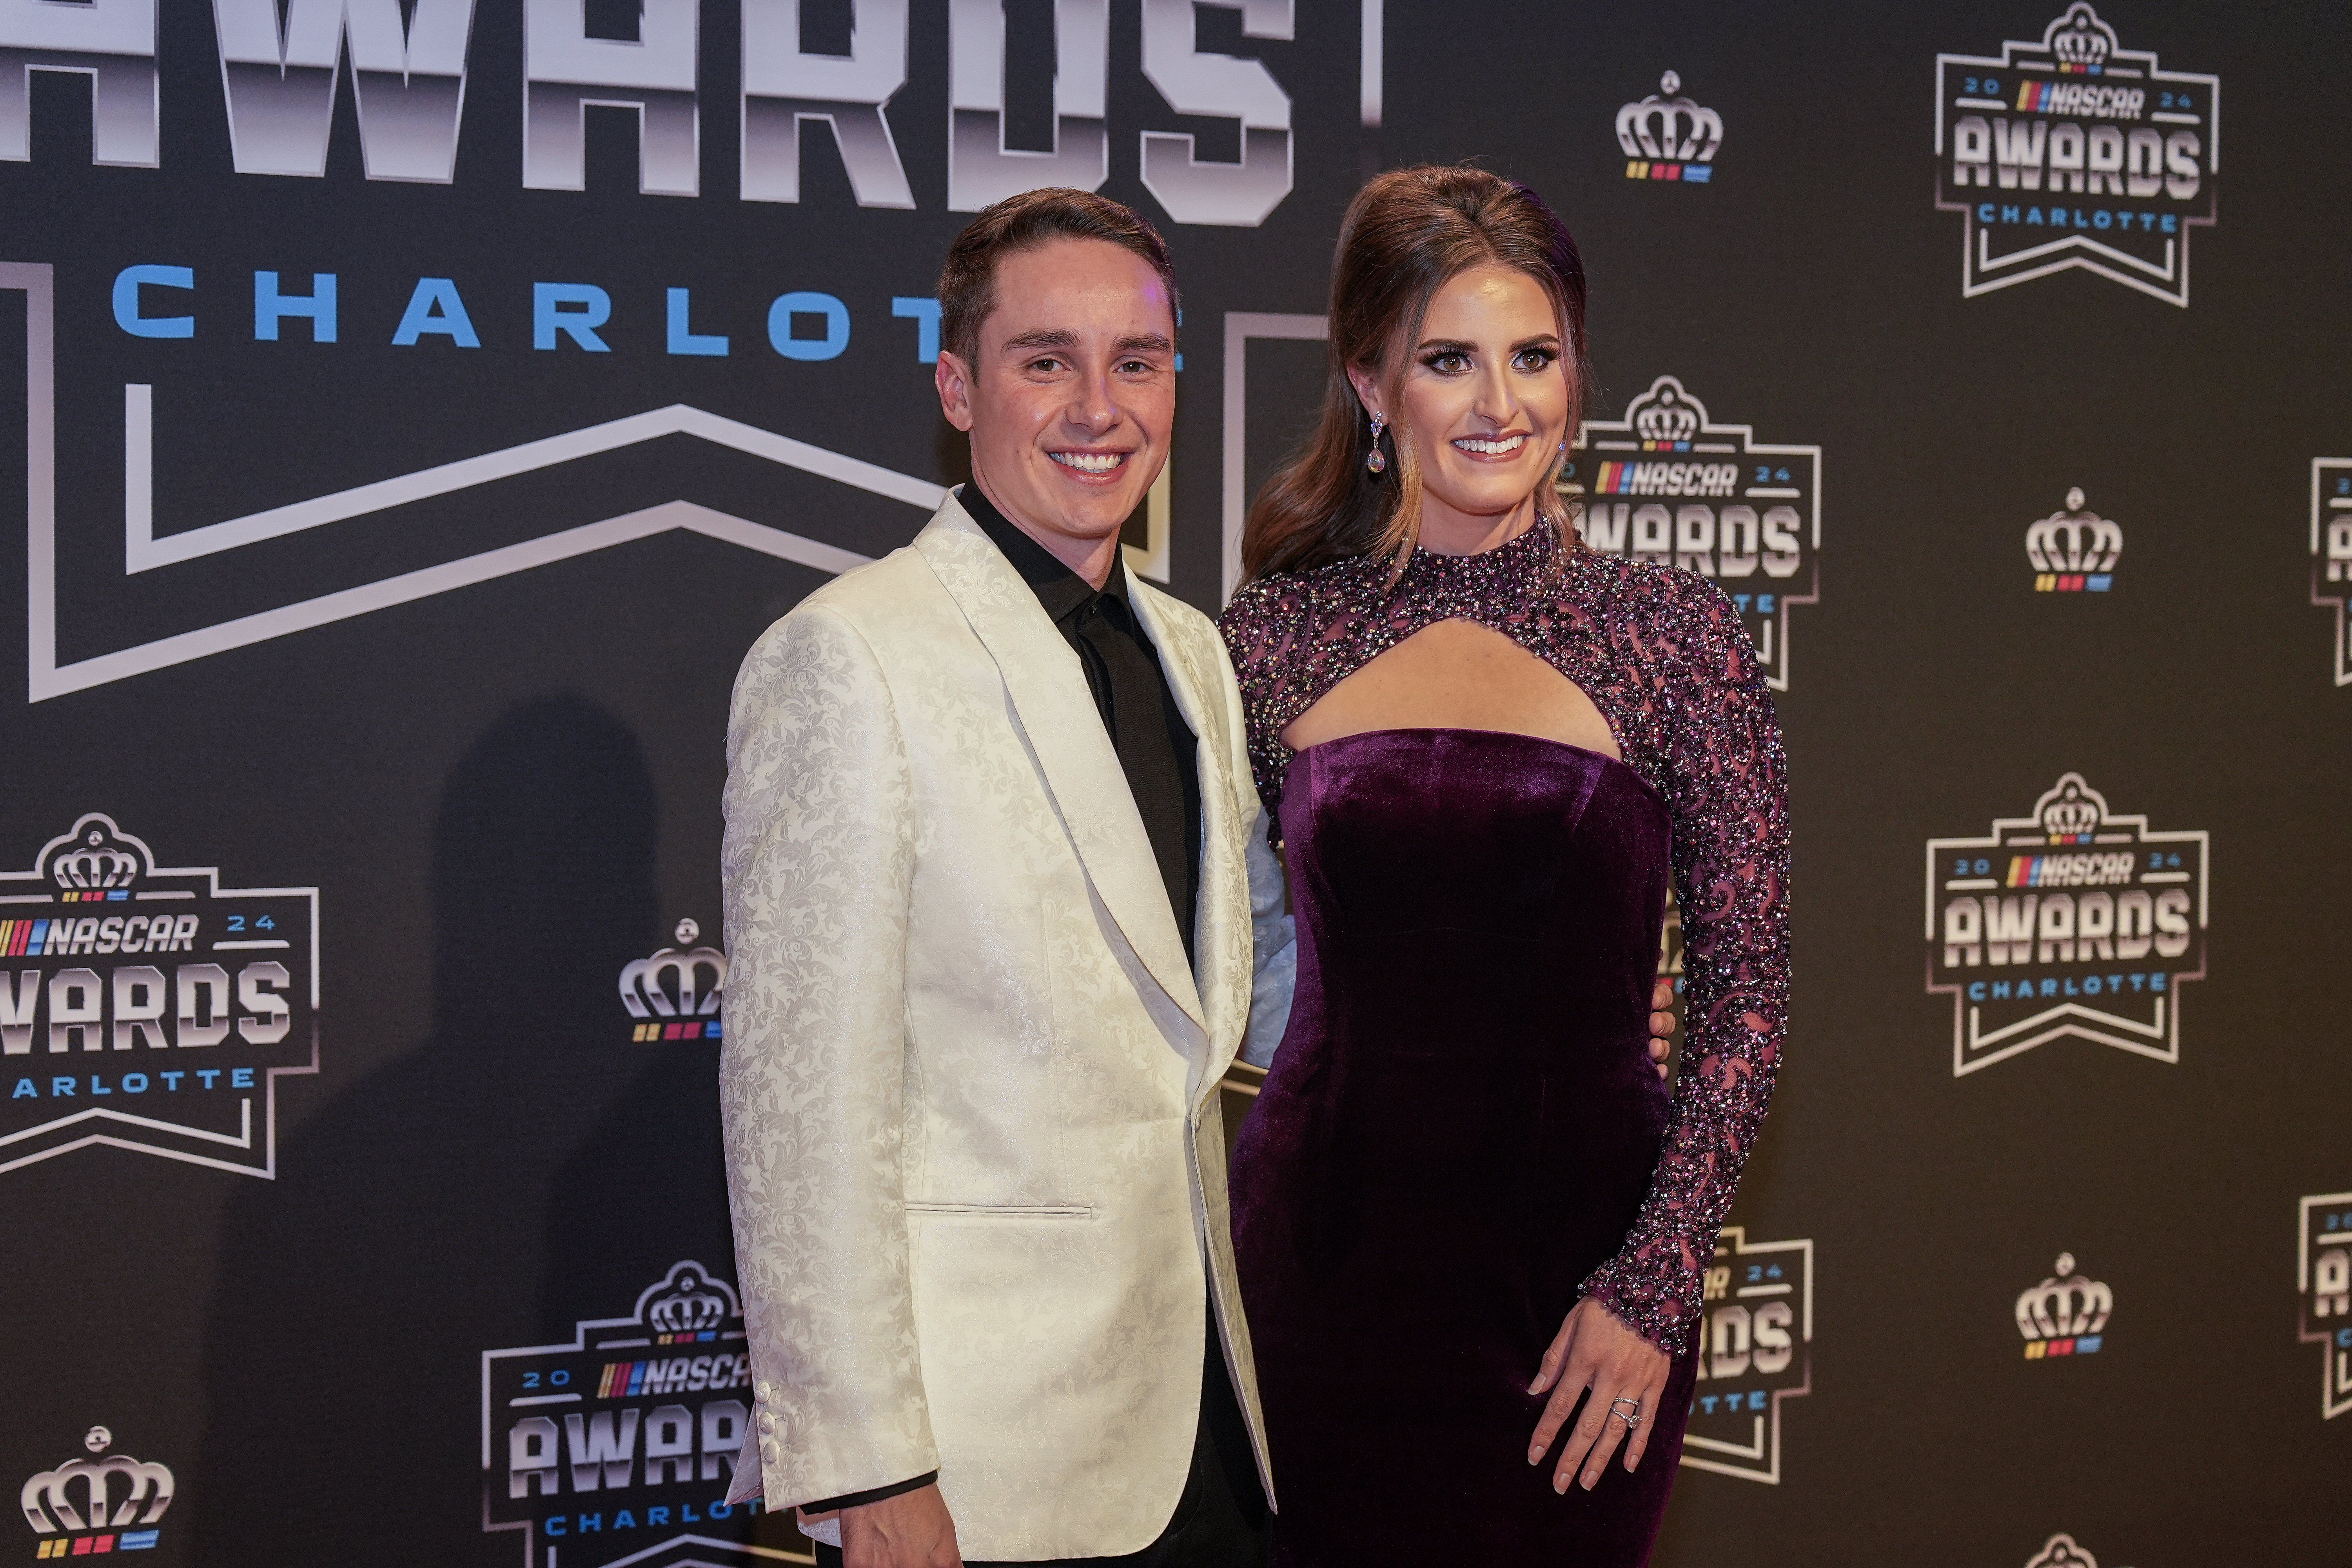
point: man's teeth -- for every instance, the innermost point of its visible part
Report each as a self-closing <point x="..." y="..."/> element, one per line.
<point x="1491" y="449"/>
<point x="1089" y="462"/>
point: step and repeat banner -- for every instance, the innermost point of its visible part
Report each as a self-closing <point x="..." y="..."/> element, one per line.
<point x="425" y="402"/>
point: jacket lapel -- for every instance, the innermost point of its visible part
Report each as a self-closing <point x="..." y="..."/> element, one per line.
<point x="1220" y="927"/>
<point x="1056" y="711"/>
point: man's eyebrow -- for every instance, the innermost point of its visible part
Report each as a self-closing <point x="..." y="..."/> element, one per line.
<point x="1043" y="338"/>
<point x="1144" y="342"/>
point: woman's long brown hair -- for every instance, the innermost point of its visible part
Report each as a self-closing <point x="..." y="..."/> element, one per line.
<point x="1407" y="232"/>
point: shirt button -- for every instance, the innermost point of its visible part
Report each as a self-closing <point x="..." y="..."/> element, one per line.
<point x="767" y="1424"/>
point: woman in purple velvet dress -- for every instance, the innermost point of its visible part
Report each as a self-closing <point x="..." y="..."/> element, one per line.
<point x="1473" y="1227"/>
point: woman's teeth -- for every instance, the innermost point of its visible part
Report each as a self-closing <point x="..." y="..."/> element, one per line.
<point x="1089" y="462"/>
<point x="1491" y="449"/>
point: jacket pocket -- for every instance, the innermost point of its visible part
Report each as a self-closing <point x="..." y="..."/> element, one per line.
<point x="1003" y="1211"/>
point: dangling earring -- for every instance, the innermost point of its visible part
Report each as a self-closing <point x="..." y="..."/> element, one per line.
<point x="1378" y="461"/>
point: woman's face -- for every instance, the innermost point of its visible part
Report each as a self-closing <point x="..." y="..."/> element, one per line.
<point x="1485" y="403"/>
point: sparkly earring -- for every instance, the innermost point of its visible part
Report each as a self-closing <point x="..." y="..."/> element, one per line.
<point x="1378" y="461"/>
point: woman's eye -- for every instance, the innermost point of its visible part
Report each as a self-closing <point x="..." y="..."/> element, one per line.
<point x="1449" y="365"/>
<point x="1536" y="359"/>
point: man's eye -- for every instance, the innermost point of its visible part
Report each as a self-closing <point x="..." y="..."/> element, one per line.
<point x="1139" y="367"/>
<point x="1046" y="365"/>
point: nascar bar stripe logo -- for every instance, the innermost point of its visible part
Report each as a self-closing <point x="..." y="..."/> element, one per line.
<point x="2072" y="921"/>
<point x="1709" y="498"/>
<point x="149" y="1007"/>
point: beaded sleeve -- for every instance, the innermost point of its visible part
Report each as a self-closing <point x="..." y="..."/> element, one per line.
<point x="1661" y="654"/>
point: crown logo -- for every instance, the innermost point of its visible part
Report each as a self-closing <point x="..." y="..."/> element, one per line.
<point x="1667" y="413"/>
<point x="49" y="1498"/>
<point x="2065" y="1306"/>
<point x="2079" y="38"/>
<point x="2073" y="540"/>
<point x="2071" y="809"/>
<point x="96" y="857"/>
<point x="1672" y="128"/>
<point x="645" y="996"/>
<point x="2060" y="1552"/>
<point x="688" y="1302"/>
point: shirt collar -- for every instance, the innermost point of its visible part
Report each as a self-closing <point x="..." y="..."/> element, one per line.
<point x="1060" y="591"/>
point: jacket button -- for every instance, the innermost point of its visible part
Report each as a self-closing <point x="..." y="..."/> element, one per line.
<point x="767" y="1424"/>
<point x="763" y="1391"/>
<point x="768" y="1450"/>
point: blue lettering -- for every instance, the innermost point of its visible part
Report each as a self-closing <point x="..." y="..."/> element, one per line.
<point x="661" y="1515"/>
<point x="269" y="307"/>
<point x="135" y="1083"/>
<point x="683" y="339"/>
<point x="592" y="1522"/>
<point x="624" y="1520"/>
<point x="804" y="303"/>
<point x="1984" y="212"/>
<point x="1976" y="990"/>
<point x="2070" y="986"/>
<point x="555" y="1525"/>
<point x="926" y="314"/>
<point x="720" y="1510"/>
<point x="240" y="1078"/>
<point x="98" y="1085"/>
<point x="2171" y="223"/>
<point x="2033" y="215"/>
<point x="126" y="300"/>
<point x="61" y="1087"/>
<point x="2103" y="218"/>
<point x="1764" y="604"/>
<point x="2001" y="990"/>
<point x="548" y="316"/>
<point x="2009" y="214"/>
<point x="435" y="306"/>
<point x="172" y="1080"/>
<point x="24" y="1091"/>
<point x="2156" y="981"/>
<point x="208" y="1074"/>
<point x="2090" y="985"/>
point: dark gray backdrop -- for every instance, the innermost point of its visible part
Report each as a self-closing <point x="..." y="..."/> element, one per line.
<point x="506" y="791"/>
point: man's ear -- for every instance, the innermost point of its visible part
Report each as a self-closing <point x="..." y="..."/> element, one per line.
<point x="954" y="379"/>
<point x="1367" y="388"/>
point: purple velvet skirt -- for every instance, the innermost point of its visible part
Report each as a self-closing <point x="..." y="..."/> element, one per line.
<point x="1460" y="1125"/>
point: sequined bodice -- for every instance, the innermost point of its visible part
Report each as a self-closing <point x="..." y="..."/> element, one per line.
<point x="1662" y="656"/>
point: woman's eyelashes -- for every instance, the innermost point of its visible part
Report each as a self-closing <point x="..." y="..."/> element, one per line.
<point x="1529" y="358"/>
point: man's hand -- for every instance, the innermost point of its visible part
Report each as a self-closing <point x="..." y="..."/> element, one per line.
<point x="910" y="1530"/>
<point x="1662" y="1021"/>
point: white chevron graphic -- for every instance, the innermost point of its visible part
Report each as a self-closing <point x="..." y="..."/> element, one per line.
<point x="143" y="552"/>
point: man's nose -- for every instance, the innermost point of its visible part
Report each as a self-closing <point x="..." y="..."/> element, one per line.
<point x="1092" y="406"/>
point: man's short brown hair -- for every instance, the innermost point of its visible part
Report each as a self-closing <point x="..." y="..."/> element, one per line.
<point x="968" y="277"/>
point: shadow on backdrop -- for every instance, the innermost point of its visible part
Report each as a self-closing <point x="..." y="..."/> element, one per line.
<point x="527" y="1165"/>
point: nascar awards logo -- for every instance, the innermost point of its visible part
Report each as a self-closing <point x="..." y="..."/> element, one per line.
<point x="2070" y="920"/>
<point x="1668" y="484"/>
<point x="108" y="1502"/>
<point x="2331" y="549"/>
<point x="2075" y="152"/>
<point x="149" y="1007"/>
<point x="1669" y="137"/>
<point x="665" y="993"/>
<point x="2060" y="1552"/>
<point x="1754" y="1352"/>
<point x="2323" y="1274"/>
<point x="2065" y="1315"/>
<point x="620" y="1445"/>
<point x="2074" y="550"/>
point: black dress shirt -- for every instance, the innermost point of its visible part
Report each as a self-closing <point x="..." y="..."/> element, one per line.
<point x="1156" y="747"/>
<point x="1156" y="750"/>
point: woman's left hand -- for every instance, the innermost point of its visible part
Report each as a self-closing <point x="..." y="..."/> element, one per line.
<point x="1627" y="1376"/>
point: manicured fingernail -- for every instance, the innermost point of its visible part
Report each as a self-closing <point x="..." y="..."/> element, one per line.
<point x="1589" y="1478"/>
<point x="1559" y="1485"/>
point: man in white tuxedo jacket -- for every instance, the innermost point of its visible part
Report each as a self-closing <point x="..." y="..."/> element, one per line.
<point x="998" y="900"/>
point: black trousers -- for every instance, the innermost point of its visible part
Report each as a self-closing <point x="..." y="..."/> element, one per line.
<point x="1220" y="1520"/>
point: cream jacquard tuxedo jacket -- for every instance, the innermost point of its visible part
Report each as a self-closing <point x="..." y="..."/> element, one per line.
<point x="970" y="1084"/>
